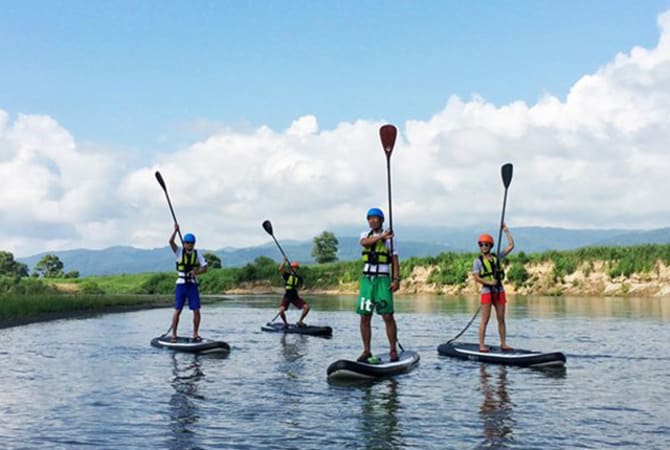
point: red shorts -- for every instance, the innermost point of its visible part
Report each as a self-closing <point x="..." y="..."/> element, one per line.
<point x="297" y="302"/>
<point x="499" y="298"/>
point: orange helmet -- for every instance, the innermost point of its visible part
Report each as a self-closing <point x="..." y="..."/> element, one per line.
<point x="486" y="238"/>
<point x="295" y="265"/>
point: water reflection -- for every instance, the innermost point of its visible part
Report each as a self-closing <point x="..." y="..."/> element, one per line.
<point x="184" y="416"/>
<point x="496" y="408"/>
<point x="379" y="416"/>
<point x="292" y="349"/>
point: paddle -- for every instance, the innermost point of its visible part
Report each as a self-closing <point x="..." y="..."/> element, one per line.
<point x="161" y="181"/>
<point x="388" y="134"/>
<point x="267" y="226"/>
<point x="159" y="177"/>
<point x="506" y="174"/>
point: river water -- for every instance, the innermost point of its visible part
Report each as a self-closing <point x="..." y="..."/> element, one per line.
<point x="97" y="383"/>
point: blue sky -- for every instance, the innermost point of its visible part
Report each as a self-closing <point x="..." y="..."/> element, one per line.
<point x="144" y="75"/>
<point x="256" y="110"/>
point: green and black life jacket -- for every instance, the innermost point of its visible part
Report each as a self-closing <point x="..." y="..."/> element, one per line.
<point x="377" y="254"/>
<point x="188" y="262"/>
<point x="491" y="270"/>
<point x="293" y="282"/>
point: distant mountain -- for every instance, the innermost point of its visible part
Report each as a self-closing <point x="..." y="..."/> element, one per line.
<point x="658" y="236"/>
<point x="412" y="241"/>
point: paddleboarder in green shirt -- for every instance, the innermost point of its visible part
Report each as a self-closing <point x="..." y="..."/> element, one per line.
<point x="376" y="286"/>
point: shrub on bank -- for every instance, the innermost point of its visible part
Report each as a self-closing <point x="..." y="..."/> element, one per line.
<point x="23" y="285"/>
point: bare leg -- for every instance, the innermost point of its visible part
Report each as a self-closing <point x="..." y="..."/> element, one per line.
<point x="391" y="331"/>
<point x="502" y="328"/>
<point x="175" y="322"/>
<point x="366" y="332"/>
<point x="486" y="315"/>
<point x="282" y="314"/>
<point x="305" y="311"/>
<point x="196" y="322"/>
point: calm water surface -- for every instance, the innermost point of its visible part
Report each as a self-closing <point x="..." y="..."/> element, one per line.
<point x="96" y="382"/>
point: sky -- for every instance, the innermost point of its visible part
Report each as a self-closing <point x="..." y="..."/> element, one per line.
<point x="271" y="110"/>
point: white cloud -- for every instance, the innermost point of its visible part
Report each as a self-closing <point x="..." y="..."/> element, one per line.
<point x="597" y="159"/>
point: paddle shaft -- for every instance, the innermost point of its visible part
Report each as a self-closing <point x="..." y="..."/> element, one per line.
<point x="502" y="222"/>
<point x="161" y="181"/>
<point x="388" y="186"/>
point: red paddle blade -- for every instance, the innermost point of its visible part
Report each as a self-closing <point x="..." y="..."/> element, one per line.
<point x="388" y="133"/>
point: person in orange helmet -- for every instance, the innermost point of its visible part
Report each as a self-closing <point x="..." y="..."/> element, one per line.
<point x="293" y="282"/>
<point x="487" y="271"/>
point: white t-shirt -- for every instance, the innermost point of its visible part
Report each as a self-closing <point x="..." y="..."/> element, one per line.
<point x="381" y="269"/>
<point x="181" y="275"/>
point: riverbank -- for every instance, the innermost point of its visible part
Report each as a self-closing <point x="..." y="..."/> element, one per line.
<point x="589" y="279"/>
<point x="640" y="271"/>
<point x="27" y="309"/>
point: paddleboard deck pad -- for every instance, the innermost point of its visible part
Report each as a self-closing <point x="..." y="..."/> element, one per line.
<point x="495" y="355"/>
<point x="345" y="369"/>
<point x="278" y="327"/>
<point x="184" y="344"/>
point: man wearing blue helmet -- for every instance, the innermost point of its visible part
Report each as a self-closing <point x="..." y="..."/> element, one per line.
<point x="189" y="264"/>
<point x="376" y="286"/>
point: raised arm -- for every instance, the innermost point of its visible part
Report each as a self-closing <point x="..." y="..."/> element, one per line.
<point x="173" y="244"/>
<point x="510" y="241"/>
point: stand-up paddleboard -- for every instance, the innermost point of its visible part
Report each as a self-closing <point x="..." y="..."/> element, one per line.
<point x="184" y="344"/>
<point x="277" y="327"/>
<point x="495" y="355"/>
<point x="345" y="369"/>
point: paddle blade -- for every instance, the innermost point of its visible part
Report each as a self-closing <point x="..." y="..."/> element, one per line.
<point x="506" y="172"/>
<point x="159" y="177"/>
<point x="388" y="133"/>
<point x="267" y="226"/>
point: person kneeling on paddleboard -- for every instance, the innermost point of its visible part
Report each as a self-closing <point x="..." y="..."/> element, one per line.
<point x="293" y="282"/>
<point x="189" y="264"/>
<point x="487" y="271"/>
<point x="376" y="286"/>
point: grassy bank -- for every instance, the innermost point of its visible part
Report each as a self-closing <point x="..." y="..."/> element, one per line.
<point x="13" y="307"/>
<point x="547" y="273"/>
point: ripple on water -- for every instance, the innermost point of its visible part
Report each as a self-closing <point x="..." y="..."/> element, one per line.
<point x="96" y="383"/>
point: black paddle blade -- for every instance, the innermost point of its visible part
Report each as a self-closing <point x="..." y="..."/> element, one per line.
<point x="506" y="172"/>
<point x="160" y="180"/>
<point x="388" y="133"/>
<point x="267" y="226"/>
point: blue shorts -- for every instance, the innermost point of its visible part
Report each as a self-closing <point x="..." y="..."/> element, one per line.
<point x="184" y="291"/>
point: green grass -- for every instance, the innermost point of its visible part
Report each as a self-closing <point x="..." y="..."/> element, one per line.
<point x="14" y="306"/>
<point x="448" y="269"/>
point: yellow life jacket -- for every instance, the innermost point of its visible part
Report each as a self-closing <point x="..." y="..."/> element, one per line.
<point x="293" y="282"/>
<point x="491" y="270"/>
<point x="377" y="254"/>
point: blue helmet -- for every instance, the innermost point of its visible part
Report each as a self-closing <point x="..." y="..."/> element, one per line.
<point x="375" y="212"/>
<point x="189" y="238"/>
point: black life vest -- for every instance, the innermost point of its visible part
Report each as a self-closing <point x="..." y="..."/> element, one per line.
<point x="188" y="262"/>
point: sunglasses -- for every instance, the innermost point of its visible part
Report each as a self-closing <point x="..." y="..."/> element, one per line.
<point x="484" y="244"/>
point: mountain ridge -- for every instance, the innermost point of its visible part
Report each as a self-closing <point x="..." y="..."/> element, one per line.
<point x="412" y="241"/>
